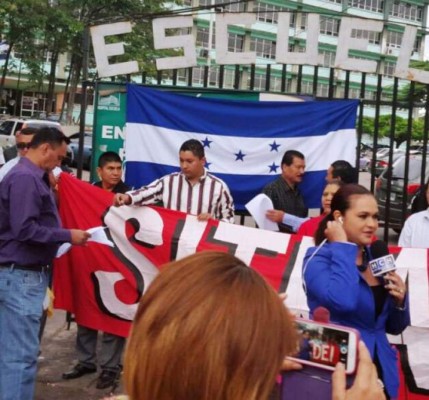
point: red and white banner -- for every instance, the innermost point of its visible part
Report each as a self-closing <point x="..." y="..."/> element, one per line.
<point x="102" y="285"/>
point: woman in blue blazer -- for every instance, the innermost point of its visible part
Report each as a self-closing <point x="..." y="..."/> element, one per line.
<point x="336" y="277"/>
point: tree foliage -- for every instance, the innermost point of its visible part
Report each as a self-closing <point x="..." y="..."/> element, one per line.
<point x="400" y="131"/>
<point x="35" y="28"/>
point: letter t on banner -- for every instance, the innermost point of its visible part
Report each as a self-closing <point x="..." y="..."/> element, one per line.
<point x="103" y="51"/>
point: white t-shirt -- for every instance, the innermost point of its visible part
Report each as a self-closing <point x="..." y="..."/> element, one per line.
<point x="415" y="232"/>
<point x="2" y="160"/>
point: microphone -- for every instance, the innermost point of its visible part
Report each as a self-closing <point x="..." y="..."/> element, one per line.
<point x="382" y="261"/>
<point x="321" y="314"/>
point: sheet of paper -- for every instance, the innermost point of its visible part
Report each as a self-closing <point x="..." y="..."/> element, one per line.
<point x="258" y="207"/>
<point x="56" y="172"/>
<point x="98" y="235"/>
<point x="63" y="249"/>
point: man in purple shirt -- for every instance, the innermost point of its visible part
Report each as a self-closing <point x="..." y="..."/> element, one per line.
<point x="30" y="234"/>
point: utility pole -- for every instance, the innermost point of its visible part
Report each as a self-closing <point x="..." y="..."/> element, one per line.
<point x="83" y="104"/>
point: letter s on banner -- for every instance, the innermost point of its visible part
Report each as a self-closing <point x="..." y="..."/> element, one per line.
<point x="144" y="271"/>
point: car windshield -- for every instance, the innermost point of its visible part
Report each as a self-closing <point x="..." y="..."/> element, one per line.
<point x="414" y="168"/>
<point x="6" y="127"/>
<point x="87" y="139"/>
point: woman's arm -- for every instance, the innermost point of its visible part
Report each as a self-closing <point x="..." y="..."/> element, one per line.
<point x="331" y="276"/>
<point x="398" y="318"/>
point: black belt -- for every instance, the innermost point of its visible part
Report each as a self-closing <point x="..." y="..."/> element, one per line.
<point x="34" y="267"/>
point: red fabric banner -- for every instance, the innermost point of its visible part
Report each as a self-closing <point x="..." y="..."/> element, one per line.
<point x="78" y="278"/>
<point x="101" y="285"/>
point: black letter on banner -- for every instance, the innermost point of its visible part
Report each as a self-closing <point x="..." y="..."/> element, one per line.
<point x="289" y="266"/>
<point x="232" y="247"/>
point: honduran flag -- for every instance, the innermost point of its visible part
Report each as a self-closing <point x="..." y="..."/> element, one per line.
<point x="244" y="141"/>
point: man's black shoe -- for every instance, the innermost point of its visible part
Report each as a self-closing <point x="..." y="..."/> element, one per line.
<point x="78" y="371"/>
<point x="107" y="379"/>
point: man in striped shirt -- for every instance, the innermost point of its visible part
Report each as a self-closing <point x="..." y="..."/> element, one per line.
<point x="193" y="190"/>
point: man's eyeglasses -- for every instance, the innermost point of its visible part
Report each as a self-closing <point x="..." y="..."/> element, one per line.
<point x="23" y="146"/>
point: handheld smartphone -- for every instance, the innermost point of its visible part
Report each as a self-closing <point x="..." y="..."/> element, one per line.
<point x="323" y="345"/>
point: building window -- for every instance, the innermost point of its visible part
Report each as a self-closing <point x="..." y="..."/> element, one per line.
<point x="264" y="48"/>
<point x="394" y="39"/>
<point x="410" y="12"/>
<point x="228" y="78"/>
<point x="292" y="20"/>
<point x="328" y="58"/>
<point x="389" y="68"/>
<point x="202" y="39"/>
<point x="266" y="12"/>
<point x="303" y="21"/>
<point x="237" y="7"/>
<point x="323" y="90"/>
<point x="307" y="87"/>
<point x="261" y="80"/>
<point x="235" y="42"/>
<point x="213" y="76"/>
<point x="47" y="55"/>
<point x="298" y="21"/>
<point x="417" y="44"/>
<point x="353" y="92"/>
<point x="329" y="26"/>
<point x="335" y="1"/>
<point x="368" y="5"/>
<point x="373" y="37"/>
<point x="372" y="95"/>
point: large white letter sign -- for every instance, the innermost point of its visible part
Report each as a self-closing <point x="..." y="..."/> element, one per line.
<point x="402" y="70"/>
<point x="161" y="41"/>
<point x="103" y="51"/>
<point x="346" y="42"/>
<point x="223" y="56"/>
<point x="311" y="56"/>
<point x="116" y="219"/>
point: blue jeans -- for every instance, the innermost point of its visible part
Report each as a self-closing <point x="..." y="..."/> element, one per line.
<point x="21" y="304"/>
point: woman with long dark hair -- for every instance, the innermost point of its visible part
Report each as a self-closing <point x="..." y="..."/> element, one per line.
<point x="336" y="276"/>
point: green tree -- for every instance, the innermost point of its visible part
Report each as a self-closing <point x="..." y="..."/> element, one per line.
<point x="368" y="125"/>
<point x="139" y="42"/>
<point x="60" y="28"/>
<point x="19" y="24"/>
<point x="400" y="130"/>
<point x="38" y="27"/>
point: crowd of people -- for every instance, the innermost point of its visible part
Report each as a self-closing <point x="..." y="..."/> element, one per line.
<point x="213" y="332"/>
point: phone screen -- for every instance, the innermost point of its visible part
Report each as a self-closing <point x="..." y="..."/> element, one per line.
<point x="324" y="345"/>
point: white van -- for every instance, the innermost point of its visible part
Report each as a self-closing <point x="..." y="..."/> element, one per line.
<point x="9" y="128"/>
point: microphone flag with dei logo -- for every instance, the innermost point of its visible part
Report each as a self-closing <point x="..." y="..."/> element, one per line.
<point x="382" y="262"/>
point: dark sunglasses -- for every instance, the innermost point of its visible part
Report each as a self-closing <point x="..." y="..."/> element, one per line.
<point x="23" y="146"/>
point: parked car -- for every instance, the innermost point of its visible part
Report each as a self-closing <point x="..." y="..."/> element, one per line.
<point x="87" y="150"/>
<point x="397" y="189"/>
<point x="382" y="162"/>
<point x="9" y="128"/>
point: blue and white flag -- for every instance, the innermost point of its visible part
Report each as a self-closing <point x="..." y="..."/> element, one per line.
<point x="244" y="141"/>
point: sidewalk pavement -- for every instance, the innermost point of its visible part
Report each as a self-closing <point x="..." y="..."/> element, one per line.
<point x="58" y="356"/>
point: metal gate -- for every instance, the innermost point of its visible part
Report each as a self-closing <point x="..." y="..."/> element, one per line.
<point x="379" y="95"/>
